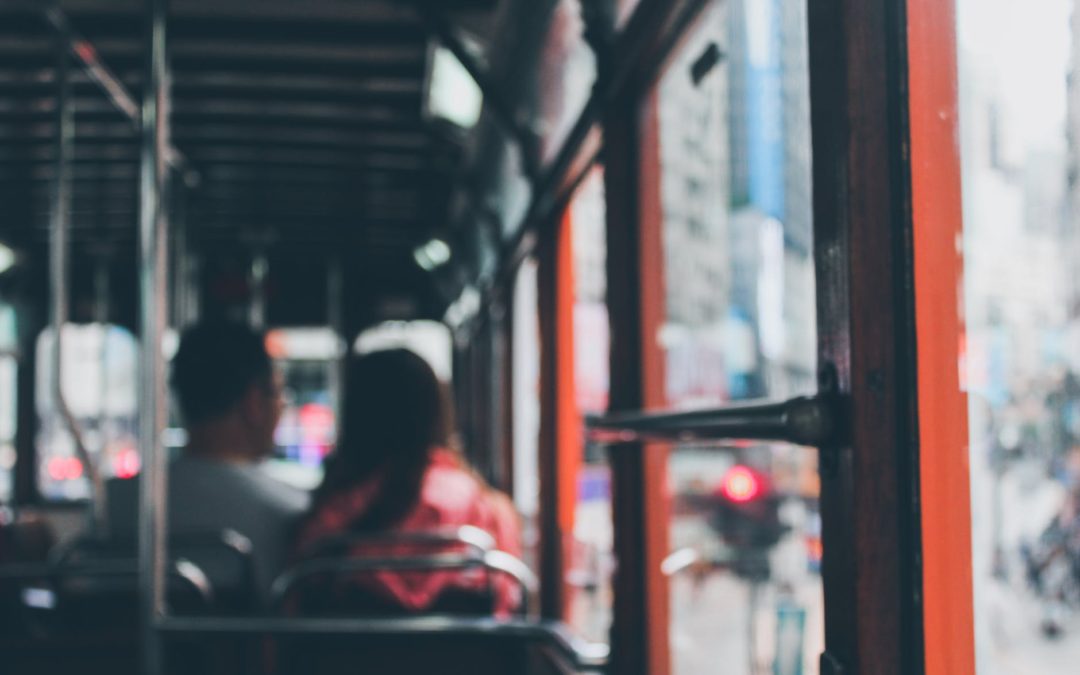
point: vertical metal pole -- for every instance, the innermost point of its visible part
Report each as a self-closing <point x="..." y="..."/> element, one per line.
<point x="101" y="317"/>
<point x="178" y="223"/>
<point x="191" y="281"/>
<point x="101" y="290"/>
<point x="59" y="268"/>
<point x="153" y="245"/>
<point x="259" y="269"/>
<point x="187" y="261"/>
<point x="59" y="217"/>
<point x="258" y="308"/>
<point x="335" y="316"/>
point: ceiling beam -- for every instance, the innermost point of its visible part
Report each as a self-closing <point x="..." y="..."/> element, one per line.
<point x="235" y="49"/>
<point x="225" y="109"/>
<point x="12" y="135"/>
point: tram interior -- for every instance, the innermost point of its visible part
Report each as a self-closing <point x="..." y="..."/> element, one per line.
<point x="600" y="225"/>
<point x="323" y="158"/>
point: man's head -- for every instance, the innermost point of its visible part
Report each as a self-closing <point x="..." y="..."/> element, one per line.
<point x="224" y="383"/>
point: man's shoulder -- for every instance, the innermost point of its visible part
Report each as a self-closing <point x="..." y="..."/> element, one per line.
<point x="278" y="496"/>
<point x="248" y="483"/>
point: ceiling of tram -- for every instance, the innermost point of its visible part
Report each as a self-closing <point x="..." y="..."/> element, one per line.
<point x="303" y="120"/>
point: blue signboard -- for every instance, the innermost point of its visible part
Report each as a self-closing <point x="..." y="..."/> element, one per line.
<point x="764" y="105"/>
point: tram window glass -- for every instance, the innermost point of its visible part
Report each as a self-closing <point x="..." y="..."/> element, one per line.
<point x="1019" y="121"/>
<point x="98" y="381"/>
<point x="739" y="309"/>
<point x="526" y="406"/>
<point x="567" y="74"/>
<point x="624" y="9"/>
<point x="591" y="559"/>
<point x="430" y="339"/>
<point x="8" y="402"/>
<point x="305" y="358"/>
<point x="745" y="559"/>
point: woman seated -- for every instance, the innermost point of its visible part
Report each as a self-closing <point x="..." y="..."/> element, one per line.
<point x="395" y="472"/>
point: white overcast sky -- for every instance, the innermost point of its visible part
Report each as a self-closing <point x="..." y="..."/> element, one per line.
<point x="1022" y="46"/>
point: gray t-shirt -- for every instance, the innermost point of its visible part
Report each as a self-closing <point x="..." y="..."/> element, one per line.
<point x="207" y="496"/>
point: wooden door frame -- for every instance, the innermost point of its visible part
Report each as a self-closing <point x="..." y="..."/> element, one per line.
<point x="936" y="214"/>
<point x="865" y="262"/>
<point x="865" y="271"/>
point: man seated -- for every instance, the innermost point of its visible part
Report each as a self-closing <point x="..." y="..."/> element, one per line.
<point x="230" y="403"/>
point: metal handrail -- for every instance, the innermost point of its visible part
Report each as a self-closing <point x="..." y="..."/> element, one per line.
<point x="492" y="561"/>
<point x="806" y="420"/>
<point x="585" y="655"/>
<point x="100" y="73"/>
<point x="679" y="561"/>
<point x="515" y="568"/>
<point x="470" y="536"/>
<point x="226" y="538"/>
<point x="181" y="568"/>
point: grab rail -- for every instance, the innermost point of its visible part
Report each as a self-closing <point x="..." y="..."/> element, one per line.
<point x="806" y="420"/>
<point x="180" y="569"/>
<point x="493" y="561"/>
<point x="470" y="536"/>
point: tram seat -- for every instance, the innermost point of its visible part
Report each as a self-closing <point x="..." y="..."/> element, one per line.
<point x="319" y="587"/>
<point x="24" y="537"/>
<point x="80" y="610"/>
<point x="224" y="558"/>
<point x="83" y="615"/>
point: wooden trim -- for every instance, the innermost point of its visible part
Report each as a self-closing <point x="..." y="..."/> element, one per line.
<point x="640" y="629"/>
<point x="869" y="486"/>
<point x="938" y="225"/>
<point x="551" y="572"/>
<point x="504" y="367"/>
<point x="627" y="69"/>
<point x="570" y="440"/>
<point x="560" y="421"/>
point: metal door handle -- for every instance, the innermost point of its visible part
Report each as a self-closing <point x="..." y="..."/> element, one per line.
<point x="806" y="420"/>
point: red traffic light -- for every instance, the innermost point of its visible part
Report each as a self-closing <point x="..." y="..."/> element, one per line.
<point x="741" y="485"/>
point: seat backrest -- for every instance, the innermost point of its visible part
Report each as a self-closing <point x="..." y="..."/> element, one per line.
<point x="224" y="558"/>
<point x="466" y="537"/>
<point x="99" y="597"/>
<point x="104" y="595"/>
<point x="321" y="584"/>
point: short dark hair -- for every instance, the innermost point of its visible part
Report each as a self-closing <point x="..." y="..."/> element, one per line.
<point x="216" y="364"/>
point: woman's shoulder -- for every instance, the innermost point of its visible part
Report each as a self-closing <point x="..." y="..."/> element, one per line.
<point x="453" y="485"/>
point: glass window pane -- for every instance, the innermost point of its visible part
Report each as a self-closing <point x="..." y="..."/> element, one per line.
<point x="1019" y="124"/>
<point x="734" y="147"/>
<point x="624" y="9"/>
<point x="8" y="417"/>
<point x="526" y="407"/>
<point x="8" y="401"/>
<point x="99" y="386"/>
<point x="591" y="559"/>
<point x="305" y="358"/>
<point x="735" y="193"/>
<point x="566" y="77"/>
<point x="744" y="566"/>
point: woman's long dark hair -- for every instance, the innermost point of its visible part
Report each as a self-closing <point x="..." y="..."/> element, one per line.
<point x="394" y="412"/>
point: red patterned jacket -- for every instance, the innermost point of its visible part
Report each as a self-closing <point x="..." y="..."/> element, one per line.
<point x="450" y="496"/>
